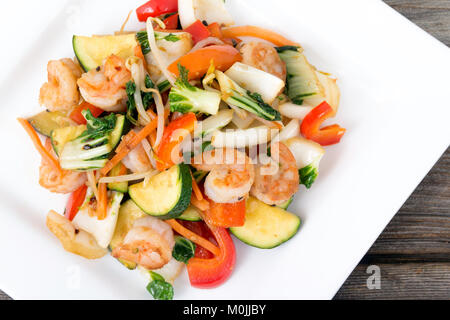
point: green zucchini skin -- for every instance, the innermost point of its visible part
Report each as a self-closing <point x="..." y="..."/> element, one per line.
<point x="183" y="199"/>
<point x="191" y="214"/>
<point x="266" y="227"/>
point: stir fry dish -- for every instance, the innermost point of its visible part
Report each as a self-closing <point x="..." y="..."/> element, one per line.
<point x="175" y="140"/>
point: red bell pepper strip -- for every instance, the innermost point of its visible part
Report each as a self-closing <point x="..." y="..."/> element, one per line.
<point x="173" y="135"/>
<point x="310" y="127"/>
<point x="78" y="117"/>
<point x="202" y="230"/>
<point x="226" y="215"/>
<point x="76" y="199"/>
<point x="210" y="273"/>
<point x="172" y="21"/>
<point x="198" y="31"/>
<point x="155" y="8"/>
<point x="198" y="62"/>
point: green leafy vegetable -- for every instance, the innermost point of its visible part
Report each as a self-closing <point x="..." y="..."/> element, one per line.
<point x="184" y="97"/>
<point x="159" y="288"/>
<point x="183" y="250"/>
<point x="142" y="39"/>
<point x="147" y="98"/>
<point x="308" y="175"/>
<point x="237" y="96"/>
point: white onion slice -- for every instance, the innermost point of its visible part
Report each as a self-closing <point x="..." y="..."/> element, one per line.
<point x="187" y="13"/>
<point x="291" y="130"/>
<point x="242" y="138"/>
<point x="294" y="111"/>
<point x="206" y="42"/>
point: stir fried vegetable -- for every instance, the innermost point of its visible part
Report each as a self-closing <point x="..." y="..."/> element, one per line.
<point x="184" y="97"/>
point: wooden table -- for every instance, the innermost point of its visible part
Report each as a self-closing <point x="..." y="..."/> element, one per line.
<point x="413" y="253"/>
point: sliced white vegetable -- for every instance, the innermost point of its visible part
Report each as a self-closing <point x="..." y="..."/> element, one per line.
<point x="305" y="151"/>
<point x="212" y="11"/>
<point x="242" y="138"/>
<point x="186" y="12"/>
<point x="294" y="111"/>
<point x="129" y="177"/>
<point x="206" y="42"/>
<point x="169" y="272"/>
<point x="331" y="90"/>
<point x="216" y="122"/>
<point x="255" y="80"/>
<point x="156" y="53"/>
<point x="242" y="122"/>
<point x="101" y="230"/>
<point x="292" y="130"/>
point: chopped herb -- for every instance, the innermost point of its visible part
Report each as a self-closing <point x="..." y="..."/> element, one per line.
<point x="159" y="288"/>
<point x="183" y="250"/>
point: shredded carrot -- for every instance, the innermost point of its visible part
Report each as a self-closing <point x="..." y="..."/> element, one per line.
<point x="38" y="144"/>
<point x="126" y="21"/>
<point x="198" y="193"/>
<point x="138" y="53"/>
<point x="202" y="205"/>
<point x="129" y="145"/>
<point x="188" y="234"/>
<point x="257" y="32"/>
<point x="123" y="170"/>
<point x="102" y="201"/>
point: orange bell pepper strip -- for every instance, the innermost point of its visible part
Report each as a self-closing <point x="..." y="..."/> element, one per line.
<point x="225" y="215"/>
<point x="310" y="127"/>
<point x="174" y="134"/>
<point x="198" y="62"/>
<point x="215" y="30"/>
<point x="257" y="32"/>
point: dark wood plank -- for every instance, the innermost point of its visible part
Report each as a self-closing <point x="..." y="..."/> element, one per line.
<point x="430" y="15"/>
<point x="400" y="281"/>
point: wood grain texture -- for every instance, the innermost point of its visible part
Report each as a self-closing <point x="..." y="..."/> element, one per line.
<point x="413" y="252"/>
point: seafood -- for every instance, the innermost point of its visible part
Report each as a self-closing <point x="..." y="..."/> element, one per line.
<point x="149" y="244"/>
<point x="61" y="90"/>
<point x="278" y="180"/>
<point x="52" y="180"/>
<point x="231" y="174"/>
<point x="104" y="87"/>
<point x="264" y="57"/>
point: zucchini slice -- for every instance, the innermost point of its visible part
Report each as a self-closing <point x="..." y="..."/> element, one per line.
<point x="47" y="121"/>
<point x="166" y="195"/>
<point x="92" y="51"/>
<point x="128" y="213"/>
<point x="266" y="227"/>
<point x="191" y="214"/>
<point x="61" y="136"/>
<point x="286" y="204"/>
<point x="117" y="186"/>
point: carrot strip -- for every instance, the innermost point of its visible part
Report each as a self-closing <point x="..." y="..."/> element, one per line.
<point x="257" y="32"/>
<point x="198" y="193"/>
<point x="202" y="205"/>
<point x="102" y="201"/>
<point x="188" y="234"/>
<point x="129" y="145"/>
<point x="38" y="144"/>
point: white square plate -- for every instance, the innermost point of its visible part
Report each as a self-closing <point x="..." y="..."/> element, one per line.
<point x="395" y="106"/>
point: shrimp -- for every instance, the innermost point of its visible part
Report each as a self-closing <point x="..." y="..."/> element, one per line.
<point x="52" y="180"/>
<point x="104" y="87"/>
<point x="264" y="57"/>
<point x="137" y="160"/>
<point x="149" y="243"/>
<point x="61" y="90"/>
<point x="277" y="187"/>
<point x="231" y="174"/>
